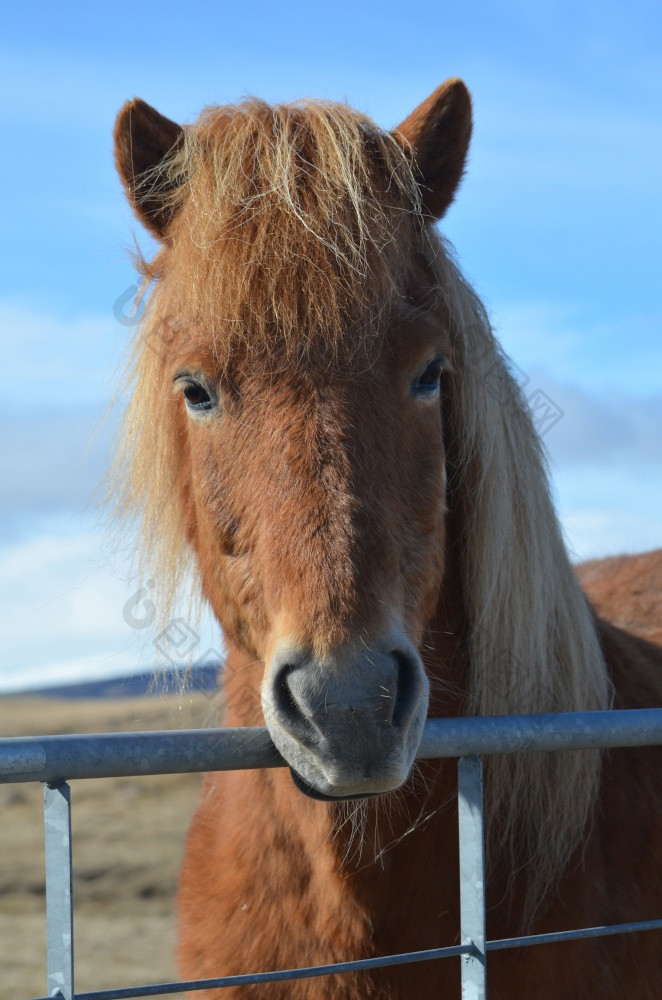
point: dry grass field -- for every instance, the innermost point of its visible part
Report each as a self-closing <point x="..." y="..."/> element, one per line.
<point x="128" y="838"/>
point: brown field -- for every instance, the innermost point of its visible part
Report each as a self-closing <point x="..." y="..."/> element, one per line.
<point x="128" y="835"/>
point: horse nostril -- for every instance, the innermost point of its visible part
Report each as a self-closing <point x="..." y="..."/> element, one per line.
<point x="407" y="689"/>
<point x="287" y="707"/>
<point x="283" y="697"/>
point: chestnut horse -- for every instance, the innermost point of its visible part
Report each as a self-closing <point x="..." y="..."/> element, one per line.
<point x="323" y="424"/>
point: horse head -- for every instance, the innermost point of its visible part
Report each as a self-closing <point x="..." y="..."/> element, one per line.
<point x="289" y="395"/>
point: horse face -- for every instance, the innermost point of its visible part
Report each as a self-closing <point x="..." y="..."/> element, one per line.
<point x="312" y="482"/>
<point x="316" y="502"/>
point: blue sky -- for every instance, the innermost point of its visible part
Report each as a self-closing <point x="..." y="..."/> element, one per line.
<point x="558" y="225"/>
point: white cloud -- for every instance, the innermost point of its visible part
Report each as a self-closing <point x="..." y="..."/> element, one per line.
<point x="68" y="610"/>
<point x="608" y="509"/>
<point x="592" y="533"/>
<point x="55" y="426"/>
<point x="610" y="428"/>
<point x="98" y="665"/>
<point x="55" y="362"/>
<point x="574" y="343"/>
<point x="52" y="460"/>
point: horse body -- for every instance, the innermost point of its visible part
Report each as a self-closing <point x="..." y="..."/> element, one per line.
<point x="315" y="888"/>
<point x="627" y="590"/>
<point x="322" y="419"/>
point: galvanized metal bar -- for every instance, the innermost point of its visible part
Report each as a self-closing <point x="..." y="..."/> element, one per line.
<point x="281" y="975"/>
<point x="59" y="892"/>
<point x="472" y="876"/>
<point x="555" y="937"/>
<point x="164" y="989"/>
<point x="52" y="758"/>
<point x="566" y="731"/>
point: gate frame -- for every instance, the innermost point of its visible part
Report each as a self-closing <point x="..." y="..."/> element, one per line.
<point x="54" y="760"/>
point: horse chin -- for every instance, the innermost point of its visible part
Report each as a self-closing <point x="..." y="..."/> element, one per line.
<point x="314" y="793"/>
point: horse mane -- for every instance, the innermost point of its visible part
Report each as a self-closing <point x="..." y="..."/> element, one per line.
<point x="532" y="640"/>
<point x="288" y="215"/>
<point x="295" y="218"/>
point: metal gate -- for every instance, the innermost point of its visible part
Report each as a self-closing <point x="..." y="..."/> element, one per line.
<point x="54" y="760"/>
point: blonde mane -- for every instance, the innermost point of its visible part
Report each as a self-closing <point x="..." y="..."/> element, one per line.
<point x="533" y="646"/>
<point x="295" y="218"/>
<point x="290" y="217"/>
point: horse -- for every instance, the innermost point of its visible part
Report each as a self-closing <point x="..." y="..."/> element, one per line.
<point x="627" y="590"/>
<point x="323" y="428"/>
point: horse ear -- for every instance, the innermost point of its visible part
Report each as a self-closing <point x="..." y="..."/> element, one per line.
<point x="143" y="138"/>
<point x="438" y="133"/>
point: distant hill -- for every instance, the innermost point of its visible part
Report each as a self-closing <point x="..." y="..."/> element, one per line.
<point x="153" y="682"/>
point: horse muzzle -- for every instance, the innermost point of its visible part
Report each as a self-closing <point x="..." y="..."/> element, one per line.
<point x="348" y="723"/>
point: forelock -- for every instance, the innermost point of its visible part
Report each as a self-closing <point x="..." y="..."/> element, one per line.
<point x="292" y="222"/>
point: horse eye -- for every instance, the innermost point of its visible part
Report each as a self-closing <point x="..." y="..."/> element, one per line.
<point x="198" y="398"/>
<point x="427" y="383"/>
<point x="196" y="395"/>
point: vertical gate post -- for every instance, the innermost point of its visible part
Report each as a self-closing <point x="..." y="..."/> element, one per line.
<point x="472" y="876"/>
<point x="59" y="894"/>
